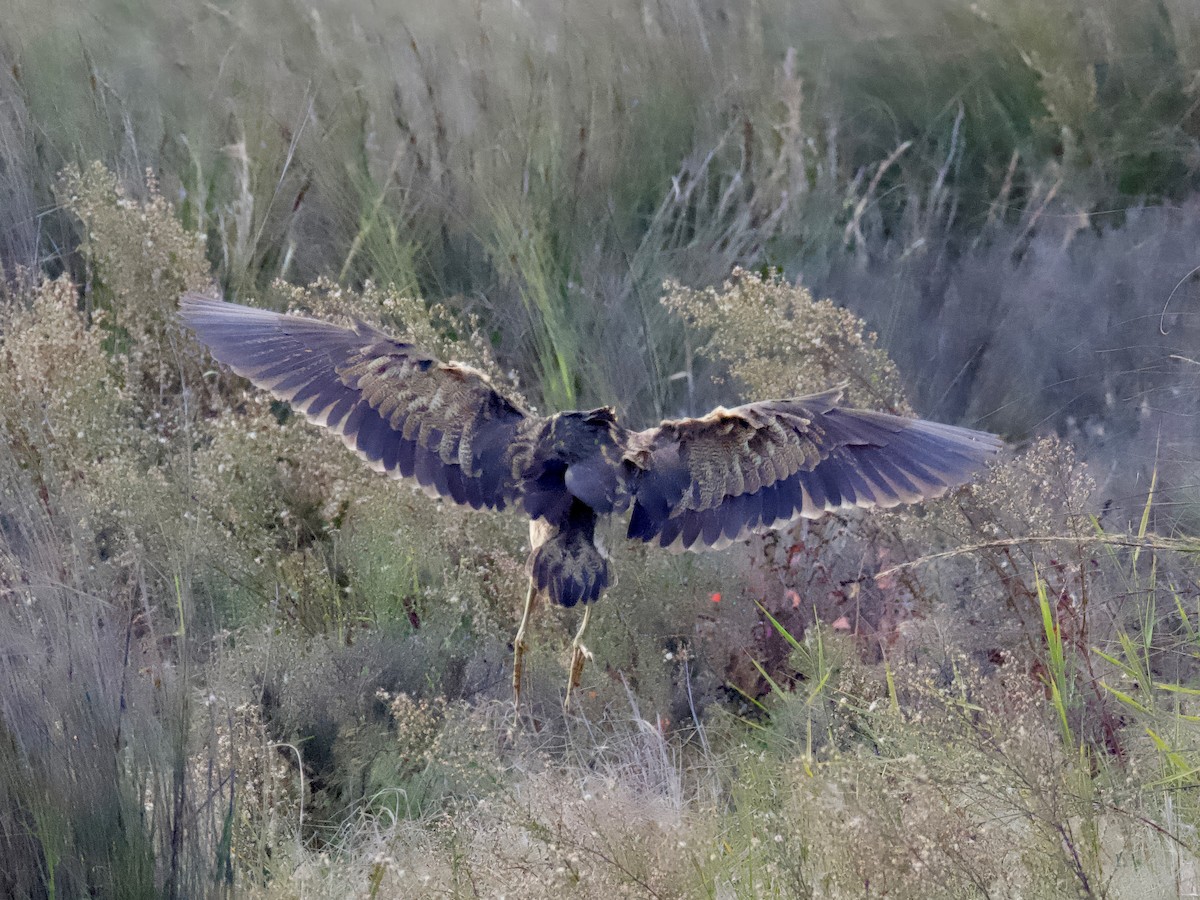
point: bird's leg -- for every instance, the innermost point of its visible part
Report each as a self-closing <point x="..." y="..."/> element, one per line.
<point x="519" y="642"/>
<point x="579" y="655"/>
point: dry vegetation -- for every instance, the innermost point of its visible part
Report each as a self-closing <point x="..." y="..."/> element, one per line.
<point x="235" y="662"/>
<point x="235" y="659"/>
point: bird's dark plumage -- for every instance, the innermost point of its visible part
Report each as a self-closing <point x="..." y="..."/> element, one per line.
<point x="713" y="480"/>
<point x="691" y="483"/>
<point x="402" y="411"/>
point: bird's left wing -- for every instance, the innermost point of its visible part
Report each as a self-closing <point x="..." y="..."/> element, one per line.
<point x="713" y="480"/>
<point x="401" y="410"/>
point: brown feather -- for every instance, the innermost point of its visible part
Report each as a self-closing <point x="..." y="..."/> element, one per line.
<point x="568" y="564"/>
<point x="403" y="411"/>
<point x="713" y="480"/>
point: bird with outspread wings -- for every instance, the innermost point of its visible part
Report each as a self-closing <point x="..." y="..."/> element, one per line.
<point x="689" y="484"/>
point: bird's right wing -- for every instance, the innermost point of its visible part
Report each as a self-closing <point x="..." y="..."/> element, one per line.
<point x="401" y="410"/>
<point x="709" y="481"/>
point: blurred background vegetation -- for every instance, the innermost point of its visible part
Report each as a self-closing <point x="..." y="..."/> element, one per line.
<point x="235" y="662"/>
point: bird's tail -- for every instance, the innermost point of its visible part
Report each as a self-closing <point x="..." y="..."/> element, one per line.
<point x="569" y="568"/>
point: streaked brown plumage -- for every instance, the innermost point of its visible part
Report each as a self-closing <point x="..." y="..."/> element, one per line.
<point x="688" y="483"/>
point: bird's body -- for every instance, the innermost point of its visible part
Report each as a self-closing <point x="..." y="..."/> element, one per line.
<point x="686" y="483"/>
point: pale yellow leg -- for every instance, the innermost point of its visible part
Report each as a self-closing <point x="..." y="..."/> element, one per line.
<point x="579" y="655"/>
<point x="519" y="642"/>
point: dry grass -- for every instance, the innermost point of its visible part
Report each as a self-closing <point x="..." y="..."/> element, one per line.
<point x="236" y="663"/>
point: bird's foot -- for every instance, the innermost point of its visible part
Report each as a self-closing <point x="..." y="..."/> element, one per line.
<point x="579" y="657"/>
<point x="518" y="669"/>
<point x="519" y="644"/>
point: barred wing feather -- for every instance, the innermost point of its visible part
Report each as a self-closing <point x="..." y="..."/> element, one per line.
<point x="710" y="481"/>
<point x="401" y="410"/>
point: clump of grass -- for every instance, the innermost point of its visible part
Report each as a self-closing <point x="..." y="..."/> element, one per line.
<point x="67" y="408"/>
<point x="251" y="779"/>
<point x="778" y="341"/>
<point x="94" y="712"/>
<point x="934" y="790"/>
<point x="140" y="259"/>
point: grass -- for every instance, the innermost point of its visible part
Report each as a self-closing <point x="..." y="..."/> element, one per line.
<point x="487" y="156"/>
<point x="272" y="673"/>
<point x="236" y="663"/>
